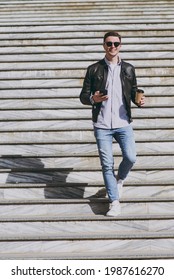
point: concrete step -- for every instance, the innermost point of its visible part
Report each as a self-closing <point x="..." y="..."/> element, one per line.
<point x="86" y="162"/>
<point x="65" y="103"/>
<point x="71" y="3"/>
<point x="92" y="229"/>
<point x="77" y="8"/>
<point x="83" y="149"/>
<point x="37" y="18"/>
<point x="75" y="137"/>
<point x="93" y="236"/>
<point x="51" y="218"/>
<point x="80" y="6"/>
<point x="73" y="73"/>
<point x="40" y="67"/>
<point x="142" y="177"/>
<point x="88" y="218"/>
<point x="74" y="82"/>
<point x="27" y="20"/>
<point x="60" y="125"/>
<point x="136" y="177"/>
<point x="83" y="48"/>
<point x="87" y="34"/>
<point x="66" y="191"/>
<point x="67" y="114"/>
<point x="41" y="57"/>
<point x="90" y="236"/>
<point x="50" y="17"/>
<point x="83" y="207"/>
<point x="126" y="42"/>
<point x="90" y="27"/>
<point x="150" y="255"/>
<point x="97" y="248"/>
<point x="73" y="92"/>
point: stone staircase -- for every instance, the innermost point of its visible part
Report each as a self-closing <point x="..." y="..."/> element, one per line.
<point x="51" y="205"/>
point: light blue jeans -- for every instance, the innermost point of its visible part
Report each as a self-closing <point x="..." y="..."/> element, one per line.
<point x="125" y="138"/>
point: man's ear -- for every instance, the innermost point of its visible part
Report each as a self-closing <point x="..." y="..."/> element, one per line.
<point x="104" y="46"/>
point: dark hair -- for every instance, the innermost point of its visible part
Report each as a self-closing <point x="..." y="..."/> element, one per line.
<point x="112" y="33"/>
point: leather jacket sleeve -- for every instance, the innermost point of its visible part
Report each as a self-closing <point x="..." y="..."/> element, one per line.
<point x="129" y="82"/>
<point x="94" y="80"/>
<point x="86" y="89"/>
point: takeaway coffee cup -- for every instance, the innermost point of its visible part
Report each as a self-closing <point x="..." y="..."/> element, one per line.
<point x="139" y="95"/>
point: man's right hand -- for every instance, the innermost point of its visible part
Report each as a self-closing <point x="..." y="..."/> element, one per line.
<point x="99" y="97"/>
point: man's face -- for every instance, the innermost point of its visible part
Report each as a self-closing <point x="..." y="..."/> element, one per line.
<point x="111" y="49"/>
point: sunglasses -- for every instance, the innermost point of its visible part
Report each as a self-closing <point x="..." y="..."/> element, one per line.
<point x="109" y="44"/>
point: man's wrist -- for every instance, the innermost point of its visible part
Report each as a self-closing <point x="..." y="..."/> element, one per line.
<point x="92" y="100"/>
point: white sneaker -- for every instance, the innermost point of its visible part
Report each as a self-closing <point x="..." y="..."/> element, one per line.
<point x="120" y="187"/>
<point x="115" y="209"/>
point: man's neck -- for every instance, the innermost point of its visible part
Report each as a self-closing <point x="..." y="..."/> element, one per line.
<point x="113" y="60"/>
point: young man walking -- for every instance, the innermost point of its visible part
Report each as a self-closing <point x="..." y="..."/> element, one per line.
<point x="109" y="87"/>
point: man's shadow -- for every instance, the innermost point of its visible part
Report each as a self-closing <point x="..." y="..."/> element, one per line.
<point x="24" y="170"/>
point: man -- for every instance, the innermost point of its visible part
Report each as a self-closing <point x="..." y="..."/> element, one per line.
<point x="109" y="86"/>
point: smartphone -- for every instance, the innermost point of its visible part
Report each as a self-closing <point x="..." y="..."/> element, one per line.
<point x="104" y="91"/>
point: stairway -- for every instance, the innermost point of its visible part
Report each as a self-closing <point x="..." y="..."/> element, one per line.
<point x="51" y="204"/>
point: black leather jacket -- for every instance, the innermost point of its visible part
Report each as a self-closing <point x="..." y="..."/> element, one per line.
<point x="95" y="79"/>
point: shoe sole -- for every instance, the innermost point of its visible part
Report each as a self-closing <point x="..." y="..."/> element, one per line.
<point x="113" y="215"/>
